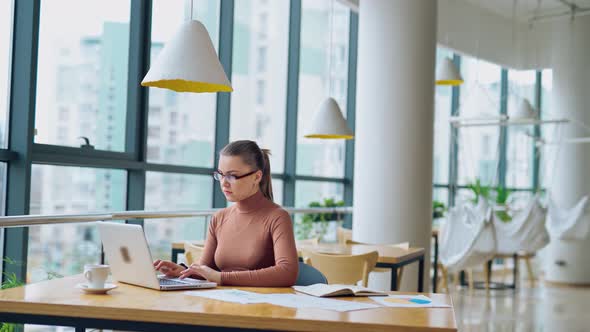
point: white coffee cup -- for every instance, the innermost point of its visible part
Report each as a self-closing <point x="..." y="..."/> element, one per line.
<point x="96" y="275"/>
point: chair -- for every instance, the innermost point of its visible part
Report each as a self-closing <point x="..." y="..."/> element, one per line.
<point x="343" y="269"/>
<point x="400" y="271"/>
<point x="309" y="275"/>
<point x="343" y="234"/>
<point x="192" y="253"/>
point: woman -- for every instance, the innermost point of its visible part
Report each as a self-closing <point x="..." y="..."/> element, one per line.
<point x="250" y="243"/>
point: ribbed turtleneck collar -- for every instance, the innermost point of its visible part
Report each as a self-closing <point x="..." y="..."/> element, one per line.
<point x="252" y="203"/>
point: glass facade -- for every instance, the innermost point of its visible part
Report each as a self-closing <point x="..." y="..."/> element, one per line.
<point x="6" y="10"/>
<point x="259" y="76"/>
<point x="479" y="147"/>
<point x="181" y="126"/>
<point x="56" y="250"/>
<point x="520" y="145"/>
<point x="82" y="73"/>
<point x="174" y="192"/>
<point x="322" y="73"/>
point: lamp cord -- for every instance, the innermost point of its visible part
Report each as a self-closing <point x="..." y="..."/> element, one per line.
<point x="192" y="2"/>
<point x="330" y="48"/>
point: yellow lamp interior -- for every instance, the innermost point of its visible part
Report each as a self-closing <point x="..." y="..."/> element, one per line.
<point x="329" y="136"/>
<point x="449" y="82"/>
<point x="188" y="86"/>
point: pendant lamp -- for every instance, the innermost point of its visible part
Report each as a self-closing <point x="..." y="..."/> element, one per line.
<point x="524" y="111"/>
<point x="447" y="73"/>
<point x="188" y="63"/>
<point x="328" y="122"/>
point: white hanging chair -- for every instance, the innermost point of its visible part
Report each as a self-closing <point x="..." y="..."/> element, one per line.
<point x="467" y="239"/>
<point x="525" y="232"/>
<point x="568" y="224"/>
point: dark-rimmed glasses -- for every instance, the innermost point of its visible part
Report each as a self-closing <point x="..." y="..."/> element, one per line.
<point x="231" y="178"/>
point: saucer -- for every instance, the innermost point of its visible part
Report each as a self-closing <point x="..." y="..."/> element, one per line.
<point x="86" y="288"/>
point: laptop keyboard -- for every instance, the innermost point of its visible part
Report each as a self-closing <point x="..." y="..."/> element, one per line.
<point x="170" y="282"/>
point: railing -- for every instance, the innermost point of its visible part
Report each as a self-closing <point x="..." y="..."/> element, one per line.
<point x="32" y="220"/>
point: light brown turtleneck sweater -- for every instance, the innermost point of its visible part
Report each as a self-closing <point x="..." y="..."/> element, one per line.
<point x="252" y="244"/>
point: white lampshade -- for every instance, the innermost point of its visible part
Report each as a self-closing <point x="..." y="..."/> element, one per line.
<point x="328" y="122"/>
<point x="188" y="63"/>
<point x="447" y="73"/>
<point x="524" y="111"/>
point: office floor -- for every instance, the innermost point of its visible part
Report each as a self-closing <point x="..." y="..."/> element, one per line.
<point x="539" y="308"/>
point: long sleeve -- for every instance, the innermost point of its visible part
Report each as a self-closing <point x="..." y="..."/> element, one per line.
<point x="208" y="257"/>
<point x="284" y="272"/>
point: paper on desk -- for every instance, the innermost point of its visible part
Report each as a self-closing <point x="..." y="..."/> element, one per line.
<point x="408" y="301"/>
<point x="231" y="295"/>
<point x="286" y="300"/>
<point x="306" y="301"/>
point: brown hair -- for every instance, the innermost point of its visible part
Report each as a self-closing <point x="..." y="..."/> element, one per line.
<point x="254" y="156"/>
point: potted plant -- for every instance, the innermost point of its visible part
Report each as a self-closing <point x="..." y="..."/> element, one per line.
<point x="501" y="200"/>
<point x="479" y="190"/>
<point x="320" y="225"/>
<point x="438" y="213"/>
<point x="10" y="281"/>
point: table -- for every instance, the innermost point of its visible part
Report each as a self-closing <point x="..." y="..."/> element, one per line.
<point x="389" y="257"/>
<point x="57" y="302"/>
<point x="435" y="267"/>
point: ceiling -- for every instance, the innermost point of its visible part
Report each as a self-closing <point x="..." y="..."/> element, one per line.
<point x="525" y="10"/>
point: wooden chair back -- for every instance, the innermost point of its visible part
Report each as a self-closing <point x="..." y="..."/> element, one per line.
<point x="344" y="234"/>
<point x="343" y="269"/>
<point x="192" y="253"/>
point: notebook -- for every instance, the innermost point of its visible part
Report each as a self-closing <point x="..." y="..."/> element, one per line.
<point x="323" y="290"/>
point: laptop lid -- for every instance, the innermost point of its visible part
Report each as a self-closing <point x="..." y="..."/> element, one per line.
<point x="128" y="254"/>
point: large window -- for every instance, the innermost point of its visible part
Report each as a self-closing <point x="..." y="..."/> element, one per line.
<point x="548" y="154"/>
<point x="172" y="192"/>
<point x="2" y="207"/>
<point x="323" y="73"/>
<point x="307" y="192"/>
<point x="478" y="155"/>
<point x="277" y="190"/>
<point x="64" y="249"/>
<point x="82" y="91"/>
<point x="181" y="126"/>
<point x="259" y="76"/>
<point x="519" y="148"/>
<point x="82" y="73"/>
<point x="6" y="10"/>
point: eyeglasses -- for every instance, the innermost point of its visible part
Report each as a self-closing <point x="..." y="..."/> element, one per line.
<point x="231" y="178"/>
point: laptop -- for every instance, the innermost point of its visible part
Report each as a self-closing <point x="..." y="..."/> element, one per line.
<point x="128" y="254"/>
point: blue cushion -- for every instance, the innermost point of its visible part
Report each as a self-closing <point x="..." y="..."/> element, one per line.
<point x="309" y="275"/>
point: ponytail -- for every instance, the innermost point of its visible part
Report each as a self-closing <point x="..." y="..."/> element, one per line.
<point x="266" y="181"/>
<point x="256" y="157"/>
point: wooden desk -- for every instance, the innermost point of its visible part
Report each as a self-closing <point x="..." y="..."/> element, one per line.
<point x="435" y="267"/>
<point x="389" y="257"/>
<point x="57" y="302"/>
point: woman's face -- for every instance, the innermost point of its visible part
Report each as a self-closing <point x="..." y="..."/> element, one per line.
<point x="241" y="188"/>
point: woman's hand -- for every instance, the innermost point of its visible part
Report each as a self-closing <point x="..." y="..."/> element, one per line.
<point x="170" y="269"/>
<point x="202" y="270"/>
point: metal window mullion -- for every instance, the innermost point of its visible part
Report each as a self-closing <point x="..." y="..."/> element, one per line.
<point x="23" y="86"/>
<point x="453" y="142"/>
<point x="503" y="162"/>
<point x="222" y="119"/>
<point x="292" y="102"/>
<point x="137" y="102"/>
<point x="536" y="150"/>
<point x="351" y="113"/>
